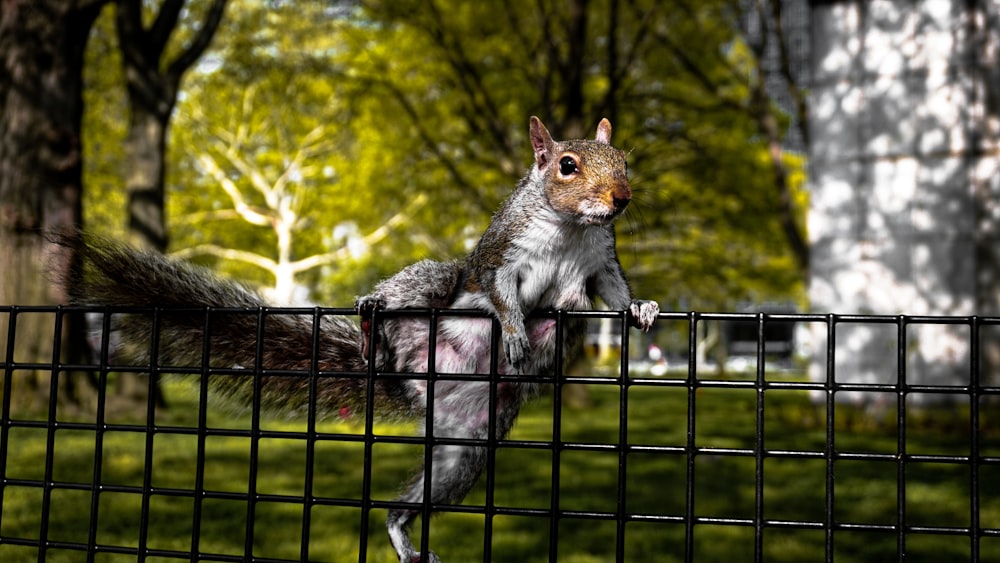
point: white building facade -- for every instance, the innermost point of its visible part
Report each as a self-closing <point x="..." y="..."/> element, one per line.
<point x="905" y="182"/>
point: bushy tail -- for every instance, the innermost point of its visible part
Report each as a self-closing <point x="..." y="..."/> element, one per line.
<point x="111" y="273"/>
<point x="201" y="323"/>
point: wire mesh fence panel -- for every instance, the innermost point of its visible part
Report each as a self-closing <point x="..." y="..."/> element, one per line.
<point x="716" y="436"/>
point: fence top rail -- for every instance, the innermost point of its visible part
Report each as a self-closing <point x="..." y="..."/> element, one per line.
<point x="759" y="316"/>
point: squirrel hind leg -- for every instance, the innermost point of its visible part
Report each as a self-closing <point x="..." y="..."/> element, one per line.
<point x="398" y="525"/>
<point x="455" y="469"/>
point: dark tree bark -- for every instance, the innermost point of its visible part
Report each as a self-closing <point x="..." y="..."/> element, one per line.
<point x="152" y="90"/>
<point x="761" y="107"/>
<point x="574" y="70"/>
<point x="41" y="108"/>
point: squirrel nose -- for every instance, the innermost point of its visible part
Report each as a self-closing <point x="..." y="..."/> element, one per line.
<point x="620" y="202"/>
<point x="621" y="196"/>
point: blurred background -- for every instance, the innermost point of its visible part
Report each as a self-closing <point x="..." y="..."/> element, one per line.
<point x="786" y="156"/>
<point x="318" y="147"/>
<point x="312" y="149"/>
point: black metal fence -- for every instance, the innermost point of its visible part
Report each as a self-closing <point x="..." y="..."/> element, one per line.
<point x="679" y="457"/>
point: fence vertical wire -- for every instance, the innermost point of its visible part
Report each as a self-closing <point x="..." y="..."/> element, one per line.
<point x="148" y="442"/>
<point x="202" y="431"/>
<point x="255" y="435"/>
<point x="691" y="446"/>
<point x="621" y="514"/>
<point x="557" y="392"/>
<point x="5" y="423"/>
<point x="429" y="440"/>
<point x="307" y="492"/>
<point x="830" y="448"/>
<point x="489" y="508"/>
<point x="901" y="458"/>
<point x="759" y="444"/>
<point x="369" y="437"/>
<point x="50" y="441"/>
<point x="974" y="453"/>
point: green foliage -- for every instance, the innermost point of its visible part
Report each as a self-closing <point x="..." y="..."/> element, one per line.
<point x="406" y="98"/>
<point x="674" y="79"/>
<point x="265" y="97"/>
<point x="104" y="128"/>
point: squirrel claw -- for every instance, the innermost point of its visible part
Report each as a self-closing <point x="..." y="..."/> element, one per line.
<point x="643" y="313"/>
<point x="516" y="348"/>
<point x="367" y="304"/>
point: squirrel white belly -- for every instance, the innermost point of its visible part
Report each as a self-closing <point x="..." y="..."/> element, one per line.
<point x="550" y="246"/>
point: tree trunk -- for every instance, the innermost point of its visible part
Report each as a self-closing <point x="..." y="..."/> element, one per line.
<point x="574" y="127"/>
<point x="145" y="152"/>
<point x="153" y="83"/>
<point x="41" y="109"/>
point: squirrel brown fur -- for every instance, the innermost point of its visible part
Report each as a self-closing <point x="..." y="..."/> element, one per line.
<point x="550" y="246"/>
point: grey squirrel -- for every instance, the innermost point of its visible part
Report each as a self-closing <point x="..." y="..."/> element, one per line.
<point x="550" y="246"/>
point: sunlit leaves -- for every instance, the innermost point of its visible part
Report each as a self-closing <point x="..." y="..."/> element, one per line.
<point x="394" y="100"/>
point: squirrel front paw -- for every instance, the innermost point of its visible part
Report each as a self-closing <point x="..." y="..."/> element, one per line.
<point x="367" y="304"/>
<point x="643" y="313"/>
<point x="516" y="347"/>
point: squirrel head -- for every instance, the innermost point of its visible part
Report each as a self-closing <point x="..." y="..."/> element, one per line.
<point x="582" y="178"/>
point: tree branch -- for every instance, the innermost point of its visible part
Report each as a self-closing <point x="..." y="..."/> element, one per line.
<point x="468" y="75"/>
<point x="695" y="71"/>
<point x="432" y="144"/>
<point x="371" y="239"/>
<point x="763" y="111"/>
<point x="251" y="172"/>
<point x="163" y="26"/>
<point x="131" y="38"/>
<point x="201" y="41"/>
<point x="248" y="214"/>
<point x="798" y="95"/>
<point x="253" y="258"/>
<point x="213" y="215"/>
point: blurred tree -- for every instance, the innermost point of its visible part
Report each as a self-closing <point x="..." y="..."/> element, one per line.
<point x="391" y="100"/>
<point x="153" y="77"/>
<point x="41" y="106"/>
<point x="267" y="191"/>
<point x="769" y="16"/>
<point x="269" y="162"/>
<point x="718" y="211"/>
<point x="41" y="103"/>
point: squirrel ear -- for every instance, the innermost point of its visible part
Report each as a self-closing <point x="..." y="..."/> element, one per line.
<point x="604" y="132"/>
<point x="541" y="142"/>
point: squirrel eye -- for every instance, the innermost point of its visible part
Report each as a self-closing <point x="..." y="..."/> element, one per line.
<point x="567" y="165"/>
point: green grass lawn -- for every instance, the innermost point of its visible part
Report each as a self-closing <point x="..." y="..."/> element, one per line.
<point x="865" y="491"/>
